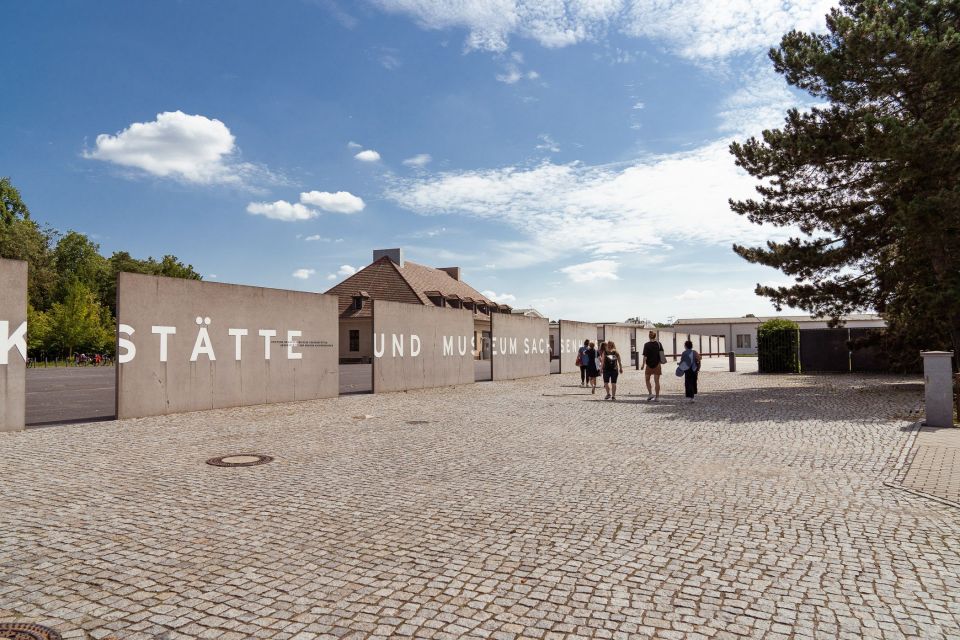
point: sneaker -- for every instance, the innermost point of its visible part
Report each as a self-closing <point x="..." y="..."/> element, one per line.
<point x="613" y="399"/>
<point x="608" y="397"/>
<point x="656" y="399"/>
<point x="649" y="398"/>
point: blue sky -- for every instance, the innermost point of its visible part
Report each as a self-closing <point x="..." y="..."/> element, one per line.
<point x="569" y="155"/>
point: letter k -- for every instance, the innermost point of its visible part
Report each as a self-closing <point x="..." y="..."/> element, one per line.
<point x="18" y="340"/>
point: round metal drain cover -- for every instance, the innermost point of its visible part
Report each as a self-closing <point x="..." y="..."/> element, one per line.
<point x="240" y="460"/>
<point x="24" y="631"/>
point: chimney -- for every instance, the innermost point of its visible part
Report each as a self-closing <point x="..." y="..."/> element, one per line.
<point x="453" y="272"/>
<point x="394" y="254"/>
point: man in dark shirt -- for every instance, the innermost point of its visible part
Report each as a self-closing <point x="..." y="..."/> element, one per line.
<point x="652" y="366"/>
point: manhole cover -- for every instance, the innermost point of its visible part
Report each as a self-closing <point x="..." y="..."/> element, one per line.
<point x="418" y="422"/>
<point x="24" y="631"/>
<point x="240" y="460"/>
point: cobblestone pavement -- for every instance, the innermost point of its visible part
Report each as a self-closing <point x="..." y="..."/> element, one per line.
<point x="498" y="510"/>
<point x="933" y="464"/>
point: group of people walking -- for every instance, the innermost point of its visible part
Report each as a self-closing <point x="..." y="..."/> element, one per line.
<point x="593" y="360"/>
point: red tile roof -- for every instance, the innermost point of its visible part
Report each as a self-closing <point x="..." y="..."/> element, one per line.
<point x="386" y="280"/>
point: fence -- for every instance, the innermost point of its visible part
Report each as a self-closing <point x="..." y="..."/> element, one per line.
<point x="820" y="351"/>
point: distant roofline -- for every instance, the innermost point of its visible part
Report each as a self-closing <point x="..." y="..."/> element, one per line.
<point x="758" y="319"/>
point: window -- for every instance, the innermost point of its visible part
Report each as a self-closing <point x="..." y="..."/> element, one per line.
<point x="354" y="339"/>
<point x="358" y="302"/>
<point x="743" y="341"/>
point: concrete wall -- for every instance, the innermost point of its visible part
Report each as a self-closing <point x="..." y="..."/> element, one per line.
<point x="621" y="337"/>
<point x="521" y="346"/>
<point x="416" y="346"/>
<point x="665" y="338"/>
<point x="13" y="344"/>
<point x="572" y="335"/>
<point x="199" y="366"/>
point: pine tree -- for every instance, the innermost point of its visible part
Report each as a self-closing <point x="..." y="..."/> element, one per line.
<point x="871" y="178"/>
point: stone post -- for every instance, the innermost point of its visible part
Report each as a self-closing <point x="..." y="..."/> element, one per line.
<point x="938" y="387"/>
<point x="733" y="361"/>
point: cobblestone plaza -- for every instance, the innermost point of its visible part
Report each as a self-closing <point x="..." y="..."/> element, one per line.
<point x="497" y="510"/>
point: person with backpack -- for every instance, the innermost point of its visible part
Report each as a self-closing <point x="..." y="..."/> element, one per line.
<point x="612" y="368"/>
<point x="653" y="359"/>
<point x="582" y="362"/>
<point x="689" y="368"/>
<point x="591" y="359"/>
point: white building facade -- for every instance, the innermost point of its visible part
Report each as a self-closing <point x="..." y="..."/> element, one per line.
<point x="741" y="333"/>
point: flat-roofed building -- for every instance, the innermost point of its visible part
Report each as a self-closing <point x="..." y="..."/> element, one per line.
<point x="741" y="333"/>
<point x="391" y="277"/>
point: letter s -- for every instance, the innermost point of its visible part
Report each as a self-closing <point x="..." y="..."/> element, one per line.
<point x="130" y="348"/>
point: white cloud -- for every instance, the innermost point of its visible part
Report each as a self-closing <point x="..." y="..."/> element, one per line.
<point x="303" y="274"/>
<point x="344" y="271"/>
<point x="316" y="238"/>
<point x="694" y="29"/>
<point x="500" y="298"/>
<point x="590" y="271"/>
<point x="693" y="294"/>
<point x="547" y="143"/>
<point x="367" y="155"/>
<point x="639" y="105"/>
<point x="761" y="102"/>
<point x="282" y="210"/>
<point x="339" y="202"/>
<point x="636" y="207"/>
<point x="191" y="148"/>
<point x="354" y="145"/>
<point x="419" y="160"/>
<point x="511" y="75"/>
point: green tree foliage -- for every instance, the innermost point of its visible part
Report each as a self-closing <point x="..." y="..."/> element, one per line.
<point x="23" y="239"/>
<point x="38" y="329"/>
<point x="76" y="257"/>
<point x="778" y="346"/>
<point x="871" y="179"/>
<point x="11" y="206"/>
<point x="72" y="288"/>
<point x="80" y="322"/>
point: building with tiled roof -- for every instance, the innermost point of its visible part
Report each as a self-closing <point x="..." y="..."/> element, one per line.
<point x="391" y="277"/>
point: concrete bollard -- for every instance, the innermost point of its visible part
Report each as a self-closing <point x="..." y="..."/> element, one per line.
<point x="733" y="361"/>
<point x="938" y="387"/>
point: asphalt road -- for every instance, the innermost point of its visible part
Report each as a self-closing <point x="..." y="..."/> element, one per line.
<point x="61" y="395"/>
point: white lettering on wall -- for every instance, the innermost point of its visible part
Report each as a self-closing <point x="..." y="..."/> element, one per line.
<point x="267" y="334"/>
<point x="238" y="337"/>
<point x="397" y="345"/>
<point x="128" y="349"/>
<point x="8" y="341"/>
<point x="462" y="345"/>
<point x="163" y="332"/>
<point x="202" y="344"/>
<point x="291" y="343"/>
<point x="414" y="345"/>
<point x="378" y="353"/>
<point x="448" y="345"/>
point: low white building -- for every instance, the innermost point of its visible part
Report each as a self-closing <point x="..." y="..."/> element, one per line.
<point x="741" y="333"/>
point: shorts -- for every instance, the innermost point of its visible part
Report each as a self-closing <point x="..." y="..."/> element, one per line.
<point x="653" y="371"/>
<point x="610" y="376"/>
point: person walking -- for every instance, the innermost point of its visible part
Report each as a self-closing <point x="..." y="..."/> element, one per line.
<point x="690" y="368"/>
<point x="653" y="359"/>
<point x="592" y="373"/>
<point x="612" y="368"/>
<point x="582" y="362"/>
